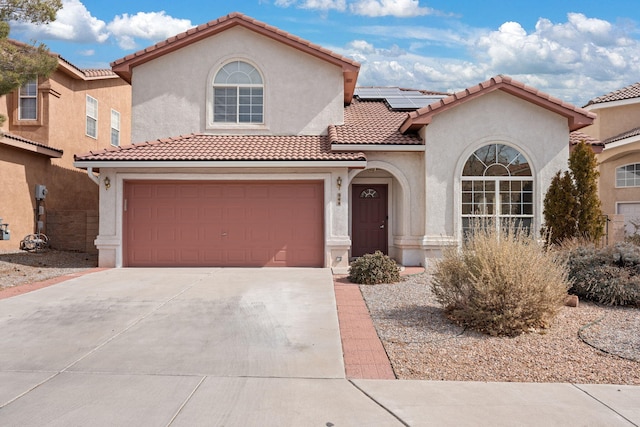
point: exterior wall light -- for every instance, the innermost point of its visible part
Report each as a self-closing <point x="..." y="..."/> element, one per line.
<point x="107" y="182"/>
<point x="339" y="182"/>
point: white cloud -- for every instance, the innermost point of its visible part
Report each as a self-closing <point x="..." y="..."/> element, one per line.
<point x="322" y="5"/>
<point x="73" y="23"/>
<point x="574" y="60"/>
<point x="152" y="26"/>
<point x="373" y="8"/>
<point x="398" y="8"/>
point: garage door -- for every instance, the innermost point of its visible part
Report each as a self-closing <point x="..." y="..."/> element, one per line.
<point x="223" y="223"/>
<point x="631" y="212"/>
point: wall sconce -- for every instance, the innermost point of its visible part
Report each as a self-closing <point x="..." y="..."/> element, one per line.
<point x="107" y="182"/>
<point x="339" y="182"/>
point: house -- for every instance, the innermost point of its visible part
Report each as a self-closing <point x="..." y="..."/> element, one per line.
<point x="254" y="147"/>
<point x="617" y="127"/>
<point x="48" y="121"/>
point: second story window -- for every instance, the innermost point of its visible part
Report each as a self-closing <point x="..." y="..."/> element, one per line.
<point x="115" y="128"/>
<point x="238" y="94"/>
<point x="92" y="117"/>
<point x="628" y="176"/>
<point x="28" y="101"/>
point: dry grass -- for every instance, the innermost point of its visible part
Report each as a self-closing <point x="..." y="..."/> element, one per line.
<point x="501" y="282"/>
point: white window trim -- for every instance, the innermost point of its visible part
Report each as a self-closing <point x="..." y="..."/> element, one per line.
<point x="213" y="125"/>
<point x="21" y="97"/>
<point x="88" y="98"/>
<point x="616" y="175"/>
<point x="116" y="127"/>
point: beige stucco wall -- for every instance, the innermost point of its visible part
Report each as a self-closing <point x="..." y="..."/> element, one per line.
<point x="609" y="160"/>
<point x="60" y="125"/>
<point x="303" y="94"/>
<point x="497" y="117"/>
<point x="616" y="118"/>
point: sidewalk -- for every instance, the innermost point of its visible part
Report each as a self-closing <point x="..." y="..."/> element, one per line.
<point x="437" y="403"/>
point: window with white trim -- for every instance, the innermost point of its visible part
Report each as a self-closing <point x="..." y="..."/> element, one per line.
<point x="238" y="94"/>
<point x="115" y="128"/>
<point x="92" y="117"/>
<point x="28" y="101"/>
<point x="497" y="186"/>
<point x="628" y="175"/>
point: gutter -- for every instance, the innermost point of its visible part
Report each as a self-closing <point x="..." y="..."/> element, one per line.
<point x="93" y="178"/>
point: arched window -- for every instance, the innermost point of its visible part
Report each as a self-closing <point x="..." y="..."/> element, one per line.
<point x="497" y="185"/>
<point x="628" y="175"/>
<point x="238" y="94"/>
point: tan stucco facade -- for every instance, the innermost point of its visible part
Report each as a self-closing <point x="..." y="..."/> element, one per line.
<point x="614" y="119"/>
<point x="70" y="209"/>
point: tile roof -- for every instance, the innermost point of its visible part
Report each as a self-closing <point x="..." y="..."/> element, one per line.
<point x="628" y="134"/>
<point x="578" y="117"/>
<point x="576" y="137"/>
<point x="371" y="122"/>
<point x="123" y="67"/>
<point x="628" y="92"/>
<point x="25" y="143"/>
<point x="202" y="147"/>
<point x="97" y="72"/>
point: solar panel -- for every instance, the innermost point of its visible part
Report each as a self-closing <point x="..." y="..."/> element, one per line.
<point x="396" y="99"/>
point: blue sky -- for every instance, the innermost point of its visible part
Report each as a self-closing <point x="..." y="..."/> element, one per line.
<point x="573" y="50"/>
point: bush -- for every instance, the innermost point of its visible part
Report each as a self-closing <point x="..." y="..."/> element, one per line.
<point x="371" y="269"/>
<point x="608" y="275"/>
<point x="501" y="283"/>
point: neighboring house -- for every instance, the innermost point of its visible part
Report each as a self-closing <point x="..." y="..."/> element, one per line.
<point x="254" y="148"/>
<point x="617" y="126"/>
<point x="48" y="121"/>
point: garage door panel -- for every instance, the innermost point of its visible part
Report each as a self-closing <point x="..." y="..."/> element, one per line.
<point x="224" y="224"/>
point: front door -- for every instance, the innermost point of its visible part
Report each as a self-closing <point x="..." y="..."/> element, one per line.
<point x="369" y="219"/>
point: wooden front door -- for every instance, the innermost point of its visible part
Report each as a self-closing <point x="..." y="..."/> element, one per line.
<point x="369" y="219"/>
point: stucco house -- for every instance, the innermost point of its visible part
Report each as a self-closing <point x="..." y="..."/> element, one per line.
<point x="48" y="120"/>
<point x="617" y="129"/>
<point x="254" y="147"/>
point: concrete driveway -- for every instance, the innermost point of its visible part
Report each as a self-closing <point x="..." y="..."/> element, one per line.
<point x="159" y="347"/>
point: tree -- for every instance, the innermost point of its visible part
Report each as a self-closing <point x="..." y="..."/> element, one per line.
<point x="571" y="205"/>
<point x="560" y="209"/>
<point x="19" y="62"/>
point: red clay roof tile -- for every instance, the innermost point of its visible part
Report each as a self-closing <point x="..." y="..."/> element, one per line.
<point x="202" y="147"/>
<point x="627" y="92"/>
<point x="371" y="122"/>
<point x="578" y="117"/>
<point x="576" y="137"/>
<point x="624" y="135"/>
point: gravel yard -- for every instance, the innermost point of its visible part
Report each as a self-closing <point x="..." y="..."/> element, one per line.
<point x="423" y="344"/>
<point x="20" y="267"/>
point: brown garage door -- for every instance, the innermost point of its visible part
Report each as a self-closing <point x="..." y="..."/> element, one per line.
<point x="177" y="223"/>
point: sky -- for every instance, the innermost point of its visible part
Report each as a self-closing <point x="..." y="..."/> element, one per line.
<point x="572" y="50"/>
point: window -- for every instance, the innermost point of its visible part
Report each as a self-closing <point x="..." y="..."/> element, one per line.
<point x="115" y="128"/>
<point x="238" y="94"/>
<point x="628" y="176"/>
<point x="92" y="117"/>
<point x="497" y="185"/>
<point x="28" y="101"/>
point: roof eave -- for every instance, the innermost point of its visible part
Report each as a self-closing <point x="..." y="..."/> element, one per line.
<point x="124" y="67"/>
<point x="31" y="147"/>
<point x="577" y="117"/>
<point x="190" y="164"/>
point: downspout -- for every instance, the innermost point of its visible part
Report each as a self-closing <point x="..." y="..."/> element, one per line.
<point x="94" y="178"/>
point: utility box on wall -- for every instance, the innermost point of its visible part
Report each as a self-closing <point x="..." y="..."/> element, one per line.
<point x="4" y="231"/>
<point x="41" y="191"/>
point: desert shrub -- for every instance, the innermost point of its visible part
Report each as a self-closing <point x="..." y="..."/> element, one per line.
<point x="500" y="282"/>
<point x="608" y="275"/>
<point x="371" y="269"/>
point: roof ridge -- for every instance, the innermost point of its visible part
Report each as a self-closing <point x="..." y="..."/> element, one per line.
<point x="628" y="92"/>
<point x="497" y="82"/>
